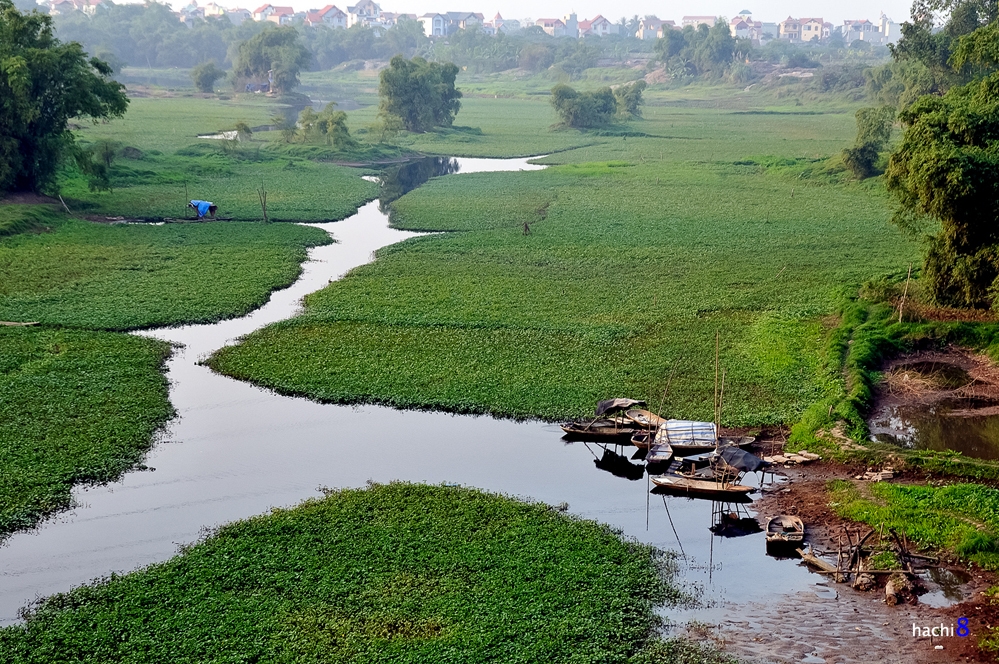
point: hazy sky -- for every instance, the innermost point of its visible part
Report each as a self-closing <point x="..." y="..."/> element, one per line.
<point x="778" y="10"/>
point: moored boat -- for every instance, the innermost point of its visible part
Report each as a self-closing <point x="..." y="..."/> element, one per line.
<point x="599" y="430"/>
<point x="785" y="532"/>
<point x="686" y="486"/>
<point x="645" y="418"/>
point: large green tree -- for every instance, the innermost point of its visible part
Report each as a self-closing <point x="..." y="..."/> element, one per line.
<point x="419" y="95"/>
<point x="583" y="109"/>
<point x="946" y="171"/>
<point x="275" y="53"/>
<point x="44" y="83"/>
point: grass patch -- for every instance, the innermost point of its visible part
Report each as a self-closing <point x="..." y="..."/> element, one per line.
<point x="959" y="518"/>
<point x="627" y="270"/>
<point x="75" y="407"/>
<point x="398" y="572"/>
<point x="16" y="219"/>
<point x="132" y="276"/>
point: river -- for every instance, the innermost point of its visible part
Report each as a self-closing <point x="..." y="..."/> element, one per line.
<point x="235" y="450"/>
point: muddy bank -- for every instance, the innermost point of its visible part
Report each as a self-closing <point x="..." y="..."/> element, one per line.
<point x="939" y="400"/>
<point x="832" y="622"/>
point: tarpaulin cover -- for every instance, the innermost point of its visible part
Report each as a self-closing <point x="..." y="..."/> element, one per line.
<point x="202" y="207"/>
<point x="608" y="405"/>
<point x="741" y="459"/>
<point x="687" y="432"/>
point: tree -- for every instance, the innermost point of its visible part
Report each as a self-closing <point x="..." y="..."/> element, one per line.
<point x="583" y="110"/>
<point x="874" y="127"/>
<point x="205" y="75"/>
<point x="329" y="126"/>
<point x="419" y="94"/>
<point x="276" y="55"/>
<point x="629" y="98"/>
<point x="44" y="83"/>
<point x="946" y="170"/>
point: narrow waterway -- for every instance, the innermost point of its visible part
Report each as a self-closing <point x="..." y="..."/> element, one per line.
<point x="236" y="450"/>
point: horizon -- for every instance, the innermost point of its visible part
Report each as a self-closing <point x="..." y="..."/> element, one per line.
<point x="897" y="10"/>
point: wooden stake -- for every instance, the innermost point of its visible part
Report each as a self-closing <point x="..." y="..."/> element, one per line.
<point x="904" y="293"/>
<point x="262" y="195"/>
<point x="716" y="381"/>
<point x="64" y="204"/>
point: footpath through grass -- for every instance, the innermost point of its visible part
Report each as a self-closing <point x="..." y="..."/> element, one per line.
<point x="399" y="572"/>
<point x="75" y="407"/>
<point x="640" y="250"/>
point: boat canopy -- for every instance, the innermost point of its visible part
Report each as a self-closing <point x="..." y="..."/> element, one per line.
<point x="610" y="405"/>
<point x="741" y="460"/>
<point x="688" y="432"/>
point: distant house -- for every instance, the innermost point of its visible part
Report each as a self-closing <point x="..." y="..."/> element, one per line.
<point x="553" y="26"/>
<point x="266" y="12"/>
<point x="811" y="29"/>
<point x="889" y="29"/>
<point x="329" y="15"/>
<point x="363" y="13"/>
<point x="790" y="29"/>
<point x="237" y="16"/>
<point x="434" y="25"/>
<point x="62" y="7"/>
<point x="597" y="26"/>
<point x="695" y="21"/>
<point x="463" y="20"/>
<point x="648" y="28"/>
<point x="213" y="10"/>
<point x="501" y="24"/>
<point x="668" y="24"/>
<point x="861" y="29"/>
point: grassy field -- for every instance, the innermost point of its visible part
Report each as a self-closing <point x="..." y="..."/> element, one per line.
<point x="401" y="573"/>
<point x="959" y="518"/>
<point x="75" y="407"/>
<point x="641" y="249"/>
<point x="169" y="165"/>
<point x="119" y="277"/>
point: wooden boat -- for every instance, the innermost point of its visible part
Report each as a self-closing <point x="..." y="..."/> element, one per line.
<point x="686" y="486"/>
<point x="641" y="439"/>
<point x="785" y="532"/>
<point x="644" y="418"/>
<point x="659" y="453"/>
<point x="681" y="449"/>
<point x="602" y="429"/>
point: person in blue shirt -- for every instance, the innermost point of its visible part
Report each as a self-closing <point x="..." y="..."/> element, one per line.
<point x="204" y="208"/>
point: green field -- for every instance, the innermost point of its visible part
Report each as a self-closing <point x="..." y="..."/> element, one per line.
<point x="959" y="518"/>
<point x="75" y="407"/>
<point x="641" y="249"/>
<point x="400" y="573"/>
<point x="120" y="277"/>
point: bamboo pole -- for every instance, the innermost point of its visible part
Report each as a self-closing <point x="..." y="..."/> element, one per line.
<point x="905" y="292"/>
<point x="716" y="382"/>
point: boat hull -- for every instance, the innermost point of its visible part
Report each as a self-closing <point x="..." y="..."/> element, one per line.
<point x="684" y="486"/>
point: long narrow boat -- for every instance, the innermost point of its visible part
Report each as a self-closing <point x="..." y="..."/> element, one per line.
<point x="599" y="430"/>
<point x="685" y="486"/>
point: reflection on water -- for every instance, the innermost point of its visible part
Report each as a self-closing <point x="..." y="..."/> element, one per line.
<point x="935" y="428"/>
<point x="405" y="178"/>
<point x="945" y="587"/>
